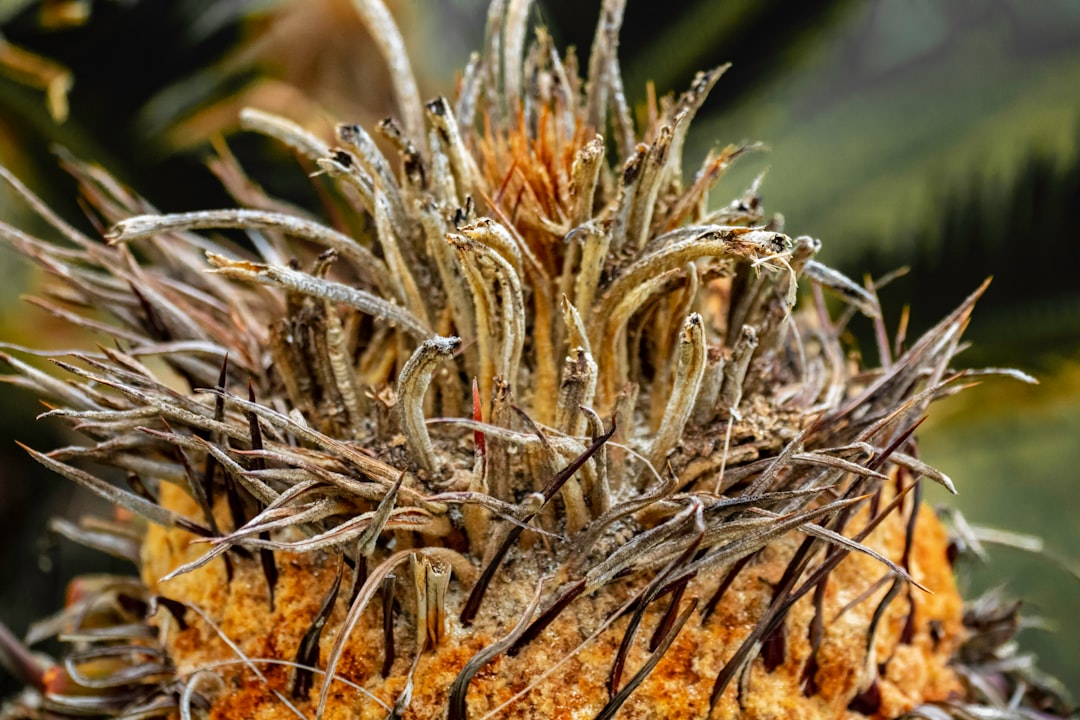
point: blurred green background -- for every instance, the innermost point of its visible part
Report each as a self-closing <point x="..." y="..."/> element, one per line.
<point x="938" y="135"/>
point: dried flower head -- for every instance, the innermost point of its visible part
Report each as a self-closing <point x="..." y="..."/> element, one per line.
<point x="527" y="430"/>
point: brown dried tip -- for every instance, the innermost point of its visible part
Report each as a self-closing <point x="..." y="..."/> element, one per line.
<point x="627" y="477"/>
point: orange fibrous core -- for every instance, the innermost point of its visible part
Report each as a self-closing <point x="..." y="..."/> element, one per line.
<point x="565" y="671"/>
<point x="530" y="170"/>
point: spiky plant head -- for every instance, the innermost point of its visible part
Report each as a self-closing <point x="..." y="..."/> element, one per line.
<point x="524" y="430"/>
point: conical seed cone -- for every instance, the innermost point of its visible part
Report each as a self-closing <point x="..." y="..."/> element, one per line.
<point x="524" y="429"/>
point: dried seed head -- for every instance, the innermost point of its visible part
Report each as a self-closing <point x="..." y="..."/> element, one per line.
<point x="671" y="494"/>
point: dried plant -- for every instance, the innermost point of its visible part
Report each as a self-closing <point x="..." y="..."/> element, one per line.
<point x="527" y="430"/>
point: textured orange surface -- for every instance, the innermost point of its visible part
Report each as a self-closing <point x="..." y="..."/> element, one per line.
<point x="679" y="687"/>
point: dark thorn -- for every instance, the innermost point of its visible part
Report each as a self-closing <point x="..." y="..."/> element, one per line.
<point x="135" y="606"/>
<point x="868" y="702"/>
<point x="937" y="633"/>
<point x="794" y="569"/>
<point x="531" y="425"/>
<point x="895" y="445"/>
<point x="907" y="635"/>
<point x="456" y="707"/>
<point x="194" y="528"/>
<point x="653" y="591"/>
<point x="875" y="503"/>
<point x="772" y="649"/>
<point x="236" y="509"/>
<point x="176" y="608"/>
<point x="952" y="552"/>
<point x="781" y="603"/>
<point x="154" y="326"/>
<point x="360" y="575"/>
<point x="233" y="497"/>
<point x="307" y="653"/>
<point x="879" y="614"/>
<point x="219" y="415"/>
<point x="139" y="488"/>
<point x="17" y="659"/>
<point x="833" y="559"/>
<point x="540" y="624"/>
<point x="810" y="686"/>
<point x="568" y="472"/>
<point x="815" y="633"/>
<point x="253" y="428"/>
<point x="269" y="568"/>
<point x="266" y="555"/>
<point x="909" y="537"/>
<point x="661" y="594"/>
<point x="437" y="106"/>
<point x="724" y="585"/>
<point x="198" y="489"/>
<point x="387" y="590"/>
<point x="668" y="621"/>
<point x="616" y="702"/>
<point x="835" y="554"/>
<point x="624" y="646"/>
<point x="476" y="596"/>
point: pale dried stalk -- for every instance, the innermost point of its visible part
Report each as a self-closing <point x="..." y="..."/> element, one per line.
<point x="712" y="380"/>
<point x="500" y="309"/>
<point x="344" y="373"/>
<point x="719" y="242"/>
<point x="279" y="276"/>
<point x="431" y="578"/>
<point x="685" y="111"/>
<point x="449" y="134"/>
<point x="342" y="166"/>
<point x="493" y="235"/>
<point x="654" y="173"/>
<point x="384" y="32"/>
<point x="516" y="25"/>
<point x="576" y="392"/>
<point x="498" y="466"/>
<point x="576" y="335"/>
<point x="604" y="47"/>
<point x="413" y="175"/>
<point x="585" y="173"/>
<point x="734" y="372"/>
<point x="143" y="226"/>
<point x="399" y="269"/>
<point x="121" y="498"/>
<point x="850" y="291"/>
<point x="411" y="387"/>
<point x="285" y="131"/>
<point x="684" y="392"/>
<point x="462" y="314"/>
<point x="612" y="342"/>
<point x="629" y="180"/>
